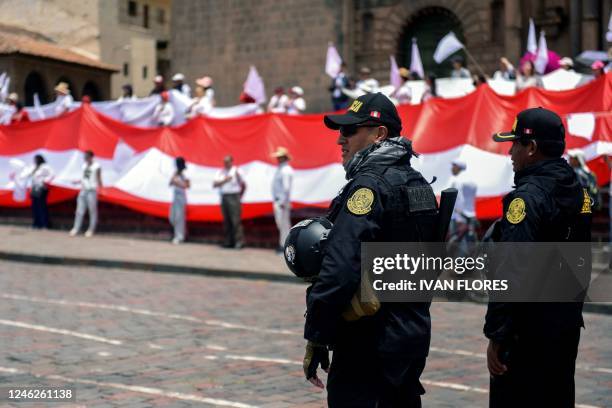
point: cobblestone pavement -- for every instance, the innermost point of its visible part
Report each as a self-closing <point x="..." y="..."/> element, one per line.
<point x="140" y="339"/>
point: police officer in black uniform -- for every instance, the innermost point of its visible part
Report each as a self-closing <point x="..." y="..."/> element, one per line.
<point x="379" y="351"/>
<point x="533" y="346"/>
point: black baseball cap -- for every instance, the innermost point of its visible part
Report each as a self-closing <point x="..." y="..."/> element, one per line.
<point x="373" y="107"/>
<point x="536" y="124"/>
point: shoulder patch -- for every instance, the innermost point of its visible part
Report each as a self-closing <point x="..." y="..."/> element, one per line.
<point x="516" y="211"/>
<point x="360" y="202"/>
<point x="586" y="202"/>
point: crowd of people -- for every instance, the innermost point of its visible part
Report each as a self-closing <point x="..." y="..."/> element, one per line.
<point x="343" y="89"/>
<point x="229" y="182"/>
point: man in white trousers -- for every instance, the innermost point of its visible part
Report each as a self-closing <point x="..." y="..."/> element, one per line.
<point x="281" y="194"/>
<point x="91" y="180"/>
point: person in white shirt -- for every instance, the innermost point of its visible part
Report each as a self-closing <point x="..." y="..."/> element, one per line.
<point x="527" y="78"/>
<point x="296" y="104"/>
<point x="87" y="199"/>
<point x="64" y="100"/>
<point x="206" y="83"/>
<point x="200" y="105"/>
<point x="230" y="182"/>
<point x="178" y="83"/>
<point x="41" y="175"/>
<point x="459" y="71"/>
<point x="366" y="83"/>
<point x="506" y="70"/>
<point x="567" y="64"/>
<point x="163" y="115"/>
<point x="464" y="214"/>
<point x="403" y="94"/>
<point x="281" y="194"/>
<point x="177" y="217"/>
<point x="279" y="101"/>
<point x="128" y="93"/>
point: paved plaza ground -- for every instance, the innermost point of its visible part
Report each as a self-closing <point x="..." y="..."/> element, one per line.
<point x="125" y="337"/>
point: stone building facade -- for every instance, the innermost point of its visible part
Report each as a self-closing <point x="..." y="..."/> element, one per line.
<point x="287" y="40"/>
<point x="35" y="65"/>
<point x="130" y="34"/>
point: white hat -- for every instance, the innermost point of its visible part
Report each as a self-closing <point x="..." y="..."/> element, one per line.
<point x="178" y="77"/>
<point x="459" y="163"/>
<point x="158" y="79"/>
<point x="62" y="88"/>
<point x="13" y="97"/>
<point x="567" y="61"/>
<point x="281" y="152"/>
<point x="297" y="90"/>
<point x="369" y="86"/>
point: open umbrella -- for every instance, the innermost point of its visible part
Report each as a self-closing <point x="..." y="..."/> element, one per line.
<point x="590" y="56"/>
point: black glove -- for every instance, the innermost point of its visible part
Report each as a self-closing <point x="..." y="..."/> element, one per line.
<point x="316" y="354"/>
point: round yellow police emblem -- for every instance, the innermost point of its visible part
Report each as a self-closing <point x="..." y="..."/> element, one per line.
<point x="360" y="202"/>
<point x="516" y="211"/>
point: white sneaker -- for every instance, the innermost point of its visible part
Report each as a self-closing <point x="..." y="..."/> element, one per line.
<point x="88" y="234"/>
<point x="73" y="232"/>
<point x="176" y="241"/>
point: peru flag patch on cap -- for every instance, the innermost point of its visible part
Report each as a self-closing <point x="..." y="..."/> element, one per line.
<point x="375" y="114"/>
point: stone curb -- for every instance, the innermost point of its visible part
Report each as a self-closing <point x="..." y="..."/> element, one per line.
<point x="598" y="308"/>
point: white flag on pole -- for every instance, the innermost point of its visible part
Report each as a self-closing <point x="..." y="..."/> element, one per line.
<point x="254" y="86"/>
<point x="394" y="75"/>
<point x="333" y="62"/>
<point x="4" y="91"/>
<point x="416" y="65"/>
<point x="39" y="111"/>
<point x="532" y="45"/>
<point x="448" y="45"/>
<point x="542" y="56"/>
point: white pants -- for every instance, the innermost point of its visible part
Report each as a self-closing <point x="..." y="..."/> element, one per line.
<point x="177" y="218"/>
<point x="87" y="200"/>
<point x="282" y="217"/>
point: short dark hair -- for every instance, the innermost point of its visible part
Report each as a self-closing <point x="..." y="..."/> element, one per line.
<point x="548" y="148"/>
<point x="89" y="153"/>
<point x="180" y="164"/>
<point x="39" y="159"/>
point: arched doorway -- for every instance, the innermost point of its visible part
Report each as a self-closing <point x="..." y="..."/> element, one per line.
<point x="73" y="91"/>
<point x="428" y="26"/>
<point x="91" y="89"/>
<point x="35" y="84"/>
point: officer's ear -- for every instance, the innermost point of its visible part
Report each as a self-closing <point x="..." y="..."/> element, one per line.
<point x="382" y="134"/>
<point x="532" y="147"/>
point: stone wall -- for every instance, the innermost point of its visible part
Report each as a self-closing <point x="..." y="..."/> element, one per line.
<point x="286" y="41"/>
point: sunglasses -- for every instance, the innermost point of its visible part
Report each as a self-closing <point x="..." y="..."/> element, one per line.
<point x="350" y="130"/>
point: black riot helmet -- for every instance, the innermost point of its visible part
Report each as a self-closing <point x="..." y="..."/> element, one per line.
<point x="304" y="245"/>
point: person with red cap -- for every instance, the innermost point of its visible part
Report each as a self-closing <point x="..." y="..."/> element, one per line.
<point x="163" y="115"/>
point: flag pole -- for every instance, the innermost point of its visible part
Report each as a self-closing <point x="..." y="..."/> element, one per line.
<point x="474" y="61"/>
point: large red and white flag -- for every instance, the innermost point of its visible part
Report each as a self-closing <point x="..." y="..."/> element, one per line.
<point x="138" y="162"/>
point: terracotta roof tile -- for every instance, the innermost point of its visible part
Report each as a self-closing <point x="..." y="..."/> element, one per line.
<point x="22" y="44"/>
